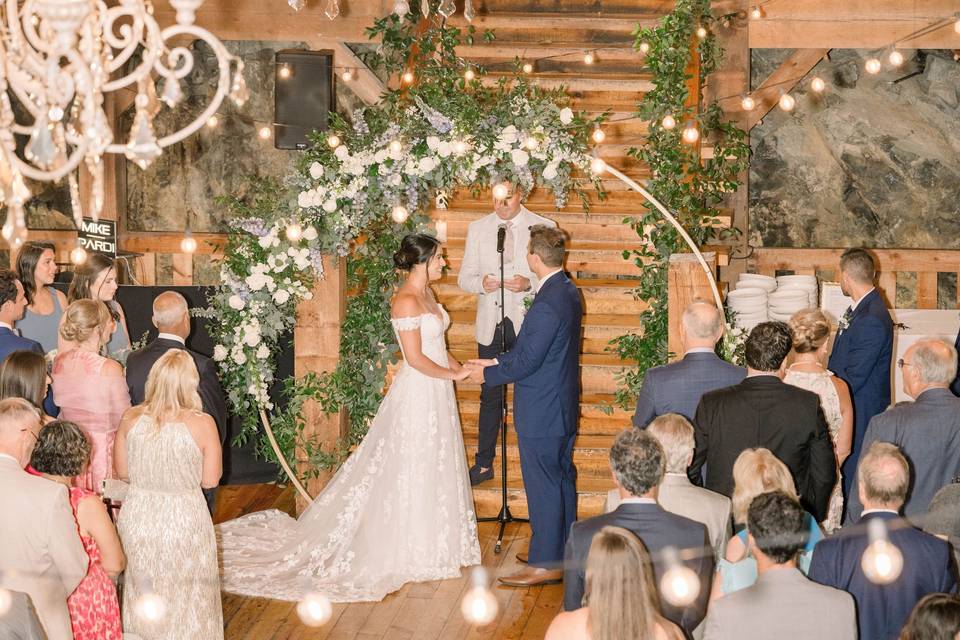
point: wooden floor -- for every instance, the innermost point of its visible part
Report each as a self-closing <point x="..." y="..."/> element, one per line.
<point x="423" y="610"/>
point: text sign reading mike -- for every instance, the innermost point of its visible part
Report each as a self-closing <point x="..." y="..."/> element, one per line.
<point x="98" y="235"/>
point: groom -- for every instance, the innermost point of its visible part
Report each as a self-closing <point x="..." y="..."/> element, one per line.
<point x="545" y="367"/>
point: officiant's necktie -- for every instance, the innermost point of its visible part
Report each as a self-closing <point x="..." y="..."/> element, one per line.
<point x="508" y="245"/>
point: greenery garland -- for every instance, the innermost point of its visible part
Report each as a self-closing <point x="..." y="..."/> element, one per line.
<point x="689" y="187"/>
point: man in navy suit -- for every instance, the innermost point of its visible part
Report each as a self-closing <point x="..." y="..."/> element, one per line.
<point x="862" y="350"/>
<point x="544" y="366"/>
<point x="677" y="387"/>
<point x="12" y="306"/>
<point x="882" y="609"/>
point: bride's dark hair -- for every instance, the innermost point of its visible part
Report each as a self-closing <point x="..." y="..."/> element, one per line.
<point x="415" y="248"/>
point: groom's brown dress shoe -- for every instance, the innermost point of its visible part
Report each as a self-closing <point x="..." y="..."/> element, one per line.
<point x="523" y="557"/>
<point x="533" y="577"/>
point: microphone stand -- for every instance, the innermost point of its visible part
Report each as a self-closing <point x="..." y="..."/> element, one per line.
<point x="504" y="517"/>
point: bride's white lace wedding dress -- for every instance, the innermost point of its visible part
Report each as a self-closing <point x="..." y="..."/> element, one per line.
<point x="399" y="510"/>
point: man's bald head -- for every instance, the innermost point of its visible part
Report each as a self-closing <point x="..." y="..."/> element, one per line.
<point x="19" y="428"/>
<point x="884" y="477"/>
<point x="171" y="314"/>
<point x="702" y="324"/>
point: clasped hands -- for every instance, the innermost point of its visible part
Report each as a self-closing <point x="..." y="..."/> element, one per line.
<point x="472" y="370"/>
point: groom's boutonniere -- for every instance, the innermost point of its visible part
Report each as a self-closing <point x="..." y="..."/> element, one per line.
<point x="528" y="301"/>
<point x="844" y="321"/>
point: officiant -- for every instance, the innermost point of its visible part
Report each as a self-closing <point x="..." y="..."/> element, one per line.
<point x="480" y="274"/>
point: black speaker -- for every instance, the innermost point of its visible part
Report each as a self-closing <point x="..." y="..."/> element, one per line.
<point x="303" y="96"/>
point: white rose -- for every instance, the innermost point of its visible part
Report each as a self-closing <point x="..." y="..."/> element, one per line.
<point x="566" y="115"/>
<point x="308" y="295"/>
<point x="236" y="302"/>
<point x="341" y="152"/>
<point x="380" y="156"/>
<point x="265" y="241"/>
<point x="444" y="149"/>
<point x="309" y="233"/>
<point x="263" y="352"/>
<point x="219" y="353"/>
<point x="304" y="199"/>
<point x="550" y="171"/>
<point x="316" y="170"/>
<point x="433" y="142"/>
<point x="239" y="357"/>
<point x="427" y="164"/>
<point x="252" y="338"/>
<point x="509" y="134"/>
<point x="330" y="205"/>
<point x="520" y="157"/>
<point x="280" y="296"/>
<point x="256" y="281"/>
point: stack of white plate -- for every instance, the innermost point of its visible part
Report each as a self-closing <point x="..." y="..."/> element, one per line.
<point x="750" y="306"/>
<point x="807" y="283"/>
<point x="766" y="283"/>
<point x="783" y="303"/>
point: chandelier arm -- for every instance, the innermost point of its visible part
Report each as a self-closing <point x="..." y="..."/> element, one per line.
<point x="128" y="44"/>
<point x="176" y="70"/>
<point x="8" y="144"/>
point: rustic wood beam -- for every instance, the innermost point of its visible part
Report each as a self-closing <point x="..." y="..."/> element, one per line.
<point x="784" y="78"/>
<point x="365" y="84"/>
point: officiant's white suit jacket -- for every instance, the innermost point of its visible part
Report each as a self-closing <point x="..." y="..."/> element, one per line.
<point x="480" y="258"/>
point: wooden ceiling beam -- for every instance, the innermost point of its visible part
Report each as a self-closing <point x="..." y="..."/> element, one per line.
<point x="784" y="78"/>
<point x="365" y="84"/>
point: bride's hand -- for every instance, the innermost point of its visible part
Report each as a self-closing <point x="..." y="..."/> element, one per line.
<point x="460" y="374"/>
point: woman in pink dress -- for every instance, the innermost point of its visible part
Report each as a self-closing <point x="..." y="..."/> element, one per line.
<point x="62" y="452"/>
<point x="89" y="388"/>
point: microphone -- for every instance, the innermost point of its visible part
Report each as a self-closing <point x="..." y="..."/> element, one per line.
<point x="501" y="236"/>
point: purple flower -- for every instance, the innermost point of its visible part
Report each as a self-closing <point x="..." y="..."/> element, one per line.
<point x="253" y="226"/>
<point x="437" y="120"/>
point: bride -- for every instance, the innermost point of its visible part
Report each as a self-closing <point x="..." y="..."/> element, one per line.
<point x="400" y="509"/>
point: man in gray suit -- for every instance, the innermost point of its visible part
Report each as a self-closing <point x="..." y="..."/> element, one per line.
<point x="927" y="431"/>
<point x="783" y="603"/>
<point x="678" y="386"/>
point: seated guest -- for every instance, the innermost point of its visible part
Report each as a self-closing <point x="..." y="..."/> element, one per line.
<point x="24" y="375"/>
<point x="927" y="430"/>
<point x="762" y="411"/>
<point x="676" y="493"/>
<point x="678" y="386"/>
<point x="171" y="317"/>
<point x="37" y="269"/>
<point x="757" y="471"/>
<point x="943" y="517"/>
<point x="63" y="452"/>
<point x="20" y="622"/>
<point x="621" y="598"/>
<point x="810" y="330"/>
<point x="89" y="388"/>
<point x="12" y="305"/>
<point x="169" y="450"/>
<point x="40" y="551"/>
<point x="96" y="279"/>
<point x="638" y="465"/>
<point x="783" y="603"/>
<point x="936" y="617"/>
<point x="883" y="478"/>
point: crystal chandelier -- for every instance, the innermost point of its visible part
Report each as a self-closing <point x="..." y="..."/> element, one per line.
<point x="59" y="59"/>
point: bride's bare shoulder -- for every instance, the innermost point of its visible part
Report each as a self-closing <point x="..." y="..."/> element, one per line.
<point x="405" y="305"/>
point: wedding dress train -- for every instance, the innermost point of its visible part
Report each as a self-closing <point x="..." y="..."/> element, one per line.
<point x="399" y="510"/>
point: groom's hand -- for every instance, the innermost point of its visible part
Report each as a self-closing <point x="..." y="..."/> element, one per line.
<point x="480" y="363"/>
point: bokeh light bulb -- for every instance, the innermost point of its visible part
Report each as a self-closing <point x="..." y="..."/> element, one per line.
<point x="787" y="102"/>
<point x="314" y="609"/>
<point x="285" y="71"/>
<point x="408" y="77"/>
<point x="188" y="244"/>
<point x="679" y="585"/>
<point x="691" y="133"/>
<point x="396" y="146"/>
<point x="756" y="12"/>
<point x="531" y="143"/>
<point x="401" y="8"/>
<point x="956" y="25"/>
<point x="479" y="605"/>
<point x="882" y="561"/>
<point x="895" y="58"/>
<point x="598" y="166"/>
<point x="78" y="256"/>
<point x="333" y="141"/>
<point x="399" y="214"/>
<point x="460" y="147"/>
<point x="701" y="32"/>
<point x="873" y="66"/>
<point x="265" y="133"/>
<point x="527" y="67"/>
<point x="294" y="231"/>
<point x="668" y="122"/>
<point x="598" y="135"/>
<point x="347" y="75"/>
<point x="469" y="75"/>
<point x="817" y="84"/>
<point x="501" y="191"/>
<point x="150" y="607"/>
<point x="644" y="47"/>
<point x="589" y="58"/>
<point x="213" y="121"/>
<point x="5" y="601"/>
<point x="748" y="103"/>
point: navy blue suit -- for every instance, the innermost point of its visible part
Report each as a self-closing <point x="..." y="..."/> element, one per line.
<point x="883" y="609"/>
<point x="544" y="366"/>
<point x="677" y="387"/>
<point x="861" y="358"/>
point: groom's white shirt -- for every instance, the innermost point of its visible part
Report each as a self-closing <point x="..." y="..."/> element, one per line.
<point x="480" y="258"/>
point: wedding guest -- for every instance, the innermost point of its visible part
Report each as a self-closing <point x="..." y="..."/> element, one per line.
<point x="638" y="464"/>
<point x="37" y="269"/>
<point x="810" y="331"/>
<point x="883" y="478"/>
<point x="621" y="599"/>
<point x="927" y="430"/>
<point x="96" y="279"/>
<point x="756" y="472"/>
<point x="783" y="603"/>
<point x="862" y="351"/>
<point x="480" y="274"/>
<point x="171" y="317"/>
<point x="21" y="622"/>
<point x="677" y="387"/>
<point x="12" y="305"/>
<point x="40" y="551"/>
<point x="762" y="411"/>
<point x="676" y="493"/>
<point x="89" y="388"/>
<point x="62" y="452"/>
<point x="24" y="375"/>
<point x="169" y="450"/>
<point x="936" y="617"/>
<point x="943" y="517"/>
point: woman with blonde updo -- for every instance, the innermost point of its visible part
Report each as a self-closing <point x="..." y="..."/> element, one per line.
<point x="89" y="388"/>
<point x="811" y="334"/>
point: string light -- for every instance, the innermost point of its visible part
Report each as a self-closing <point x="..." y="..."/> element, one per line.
<point x="347" y="75"/>
<point x="701" y="32"/>
<point x="6" y="600"/>
<point x="265" y="133"/>
<point x="150" y="607"/>
<point x="188" y="244"/>
<point x="531" y="143"/>
<point x="399" y="214"/>
<point x="408" y="77"/>
<point x="882" y="561"/>
<point x="787" y="102"/>
<point x="748" y="103"/>
<point x="333" y="141"/>
<point x="78" y="255"/>
<point x="213" y="121"/>
<point x="956" y="25"/>
<point x="756" y="12"/>
<point x="679" y="585"/>
<point x="285" y="71"/>
<point x="895" y="58"/>
<point x="469" y="74"/>
<point x="460" y="147"/>
<point x="294" y="232"/>
<point x="479" y="606"/>
<point x="873" y="66"/>
<point x="668" y="122"/>
<point x="817" y="84"/>
<point x="598" y="166"/>
<point x="501" y="191"/>
<point x="589" y="58"/>
<point x="690" y="133"/>
<point x="396" y="146"/>
<point x="598" y="134"/>
<point x="644" y="47"/>
<point x="528" y="67"/>
<point x="314" y="610"/>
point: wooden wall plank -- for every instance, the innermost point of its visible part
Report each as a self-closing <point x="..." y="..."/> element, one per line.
<point x="767" y="95"/>
<point x="182" y="269"/>
<point x="927" y="290"/>
<point x="687" y="281"/>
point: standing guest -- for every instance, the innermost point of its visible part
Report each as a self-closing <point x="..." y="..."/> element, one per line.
<point x="89" y="388"/>
<point x="676" y="493"/>
<point x="61" y="453"/>
<point x="943" y="517"/>
<point x="171" y="317"/>
<point x="762" y="411"/>
<point x="638" y="466"/>
<point x="37" y="269"/>
<point x="40" y="551"/>
<point x="927" y="430"/>
<point x="862" y="351"/>
<point x="883" y="479"/>
<point x="13" y="303"/>
<point x="24" y="375"/>
<point x="621" y="599"/>
<point x="96" y="279"/>
<point x="677" y="387"/>
<point x="936" y="617"/>
<point x="480" y="274"/>
<point x="783" y="603"/>
<point x="810" y="330"/>
<point x="169" y="450"/>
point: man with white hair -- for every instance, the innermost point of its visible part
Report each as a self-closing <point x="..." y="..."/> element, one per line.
<point x="927" y="430"/>
<point x="677" y="387"/>
<point x="171" y="317"/>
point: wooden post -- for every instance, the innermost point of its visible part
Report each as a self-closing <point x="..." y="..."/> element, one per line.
<point x="686" y="281"/>
<point x="316" y="337"/>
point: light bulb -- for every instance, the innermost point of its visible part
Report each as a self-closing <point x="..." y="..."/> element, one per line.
<point x="589" y="58"/>
<point x="527" y="67"/>
<point x="817" y="84"/>
<point x="531" y="143"/>
<point x="265" y="133"/>
<point x="469" y="75"/>
<point x="479" y="606"/>
<point x="399" y="214"/>
<point x="460" y="147"/>
<point x="333" y="141"/>
<point x="598" y="134"/>
<point x="150" y="607"/>
<point x="956" y="25"/>
<point x="5" y="601"/>
<point x="294" y="232"/>
<point x="285" y="71"/>
<point x="690" y="133"/>
<point x="314" y="610"/>
<point x="895" y="58"/>
<point x="756" y="12"/>
<point x="188" y="244"/>
<point x="501" y="191"/>
<point x="668" y="122"/>
<point x="679" y="585"/>
<point x="701" y="32"/>
<point x="598" y="166"/>
<point x="78" y="256"/>
<point x="882" y="561"/>
<point x="748" y="103"/>
<point x="396" y="146"/>
<point x="408" y="77"/>
<point x="401" y="8"/>
<point x="873" y="66"/>
<point x="213" y="121"/>
<point x="347" y="75"/>
<point x="787" y="102"/>
<point x="644" y="47"/>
